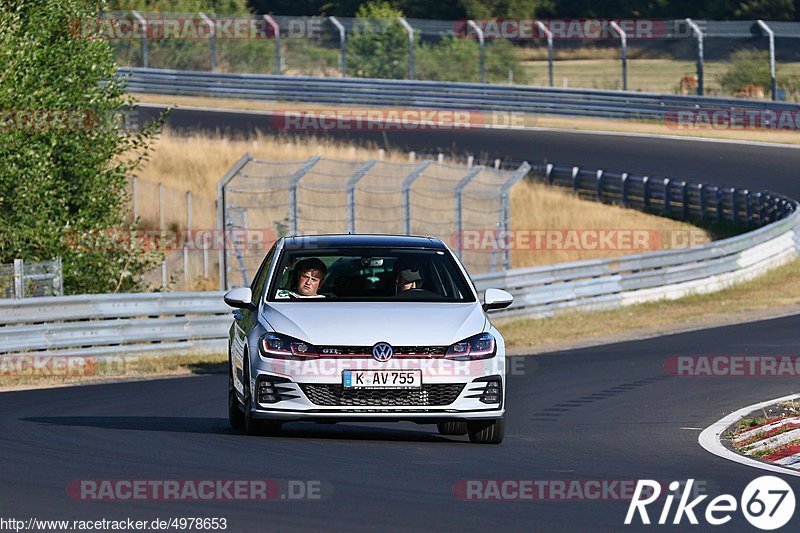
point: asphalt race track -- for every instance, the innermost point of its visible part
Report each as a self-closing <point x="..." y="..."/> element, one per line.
<point x="608" y="413"/>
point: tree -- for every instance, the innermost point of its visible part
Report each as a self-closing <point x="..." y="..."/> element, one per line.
<point x="378" y="46"/>
<point x="64" y="155"/>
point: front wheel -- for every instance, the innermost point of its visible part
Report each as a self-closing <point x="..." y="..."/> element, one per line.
<point x="235" y="414"/>
<point x="453" y="427"/>
<point x="487" y="431"/>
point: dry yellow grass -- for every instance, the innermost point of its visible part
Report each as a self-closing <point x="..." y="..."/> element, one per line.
<point x="197" y="162"/>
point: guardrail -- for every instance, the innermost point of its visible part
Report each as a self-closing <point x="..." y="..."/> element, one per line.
<point x="128" y="324"/>
<point x="440" y="95"/>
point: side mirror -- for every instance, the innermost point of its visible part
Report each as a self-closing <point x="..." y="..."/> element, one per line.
<point x="496" y="299"/>
<point x="240" y="298"/>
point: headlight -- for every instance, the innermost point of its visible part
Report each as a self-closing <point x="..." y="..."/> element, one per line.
<point x="481" y="346"/>
<point x="285" y="347"/>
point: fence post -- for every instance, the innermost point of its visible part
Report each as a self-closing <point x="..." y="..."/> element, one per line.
<point x="19" y="278"/>
<point x="294" y="180"/>
<point x="518" y="174"/>
<point x="482" y="53"/>
<point x="59" y="288"/>
<point x="771" y="36"/>
<point x="417" y="172"/>
<point x="458" y="191"/>
<point x="145" y="52"/>
<point x="351" y="193"/>
<point x="624" y="44"/>
<point x="699" y="34"/>
<point x="212" y="41"/>
<point x="223" y="256"/>
<point x="544" y="29"/>
<point x="624" y="186"/>
<point x="135" y="194"/>
<point x="575" y="173"/>
<point x="548" y="172"/>
<point x="410" y="31"/>
<point x="161" y="232"/>
<point x="599" y="184"/>
<point x="186" y="247"/>
<point x="342" y="45"/>
<point x="276" y="30"/>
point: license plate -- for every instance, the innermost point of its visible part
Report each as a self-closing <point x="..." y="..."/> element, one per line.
<point x="382" y="379"/>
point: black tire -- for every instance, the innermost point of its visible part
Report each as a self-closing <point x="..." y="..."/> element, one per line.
<point x="235" y="414"/>
<point x="452" y="427"/>
<point x="487" y="431"/>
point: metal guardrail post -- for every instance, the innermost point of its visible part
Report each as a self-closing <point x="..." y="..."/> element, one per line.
<point x="624" y="44"/>
<point x="720" y="214"/>
<point x="544" y="29"/>
<point x="221" y="200"/>
<point x="575" y="178"/>
<point x="458" y="192"/>
<point x="417" y="172"/>
<point x="667" y="199"/>
<point x="276" y="29"/>
<point x="351" y="193"/>
<point x="58" y="281"/>
<point x="771" y="35"/>
<point x="685" y="200"/>
<point x="212" y="41"/>
<point x="342" y="44"/>
<point x="701" y="192"/>
<point x="145" y="51"/>
<point x="735" y="204"/>
<point x="482" y="52"/>
<point x="548" y="172"/>
<point x="410" y="31"/>
<point x="19" y="278"/>
<point x="748" y="203"/>
<point x="599" y="185"/>
<point x="700" y="62"/>
<point x="294" y="180"/>
<point x="645" y="192"/>
<point x="505" y="222"/>
<point x="624" y="186"/>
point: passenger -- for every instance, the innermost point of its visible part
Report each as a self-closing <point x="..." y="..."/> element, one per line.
<point x="310" y="275"/>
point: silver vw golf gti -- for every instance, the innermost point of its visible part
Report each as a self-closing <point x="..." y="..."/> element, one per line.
<point x="366" y="328"/>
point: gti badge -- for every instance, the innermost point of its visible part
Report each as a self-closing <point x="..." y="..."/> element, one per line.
<point x="382" y="352"/>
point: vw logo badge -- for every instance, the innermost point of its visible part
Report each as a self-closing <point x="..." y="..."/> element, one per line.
<point x="382" y="352"/>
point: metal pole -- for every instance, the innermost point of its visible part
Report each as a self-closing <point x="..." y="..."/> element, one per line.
<point x="186" y="247"/>
<point x="342" y="47"/>
<point x="294" y="180"/>
<point x="771" y="36"/>
<point x="135" y="194"/>
<point x="624" y="43"/>
<point x="19" y="279"/>
<point x="145" y="54"/>
<point x="410" y="31"/>
<point x="212" y="41"/>
<point x="459" y="221"/>
<point x="235" y="169"/>
<point x="481" y="43"/>
<point x="699" y="34"/>
<point x="518" y="174"/>
<point x="277" y="31"/>
<point x="544" y="29"/>
<point x="417" y="172"/>
<point x="351" y="193"/>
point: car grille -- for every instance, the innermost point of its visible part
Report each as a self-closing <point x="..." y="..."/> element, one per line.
<point x="334" y="395"/>
<point x="423" y="351"/>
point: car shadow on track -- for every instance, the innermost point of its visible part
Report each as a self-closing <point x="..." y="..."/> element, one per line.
<point x="219" y="426"/>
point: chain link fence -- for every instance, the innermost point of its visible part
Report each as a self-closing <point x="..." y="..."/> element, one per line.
<point x="262" y="201"/>
<point x="31" y="279"/>
<point x="666" y="56"/>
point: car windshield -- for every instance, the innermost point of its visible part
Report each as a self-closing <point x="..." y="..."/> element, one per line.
<point x="369" y="274"/>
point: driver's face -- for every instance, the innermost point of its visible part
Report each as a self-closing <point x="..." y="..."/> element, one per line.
<point x="308" y="282"/>
<point x="403" y="285"/>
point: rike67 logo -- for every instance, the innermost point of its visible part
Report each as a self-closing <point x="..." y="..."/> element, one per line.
<point x="767" y="503"/>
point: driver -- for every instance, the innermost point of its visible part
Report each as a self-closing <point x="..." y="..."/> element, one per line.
<point x="408" y="277"/>
<point x="310" y="275"/>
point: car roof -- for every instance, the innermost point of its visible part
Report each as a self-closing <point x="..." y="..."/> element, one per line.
<point x="354" y="241"/>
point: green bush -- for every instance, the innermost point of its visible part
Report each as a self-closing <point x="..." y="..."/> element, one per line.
<point x="378" y="45"/>
<point x="63" y="170"/>
<point x="748" y="67"/>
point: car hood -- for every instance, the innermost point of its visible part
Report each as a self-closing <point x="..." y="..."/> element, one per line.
<point x="366" y="323"/>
